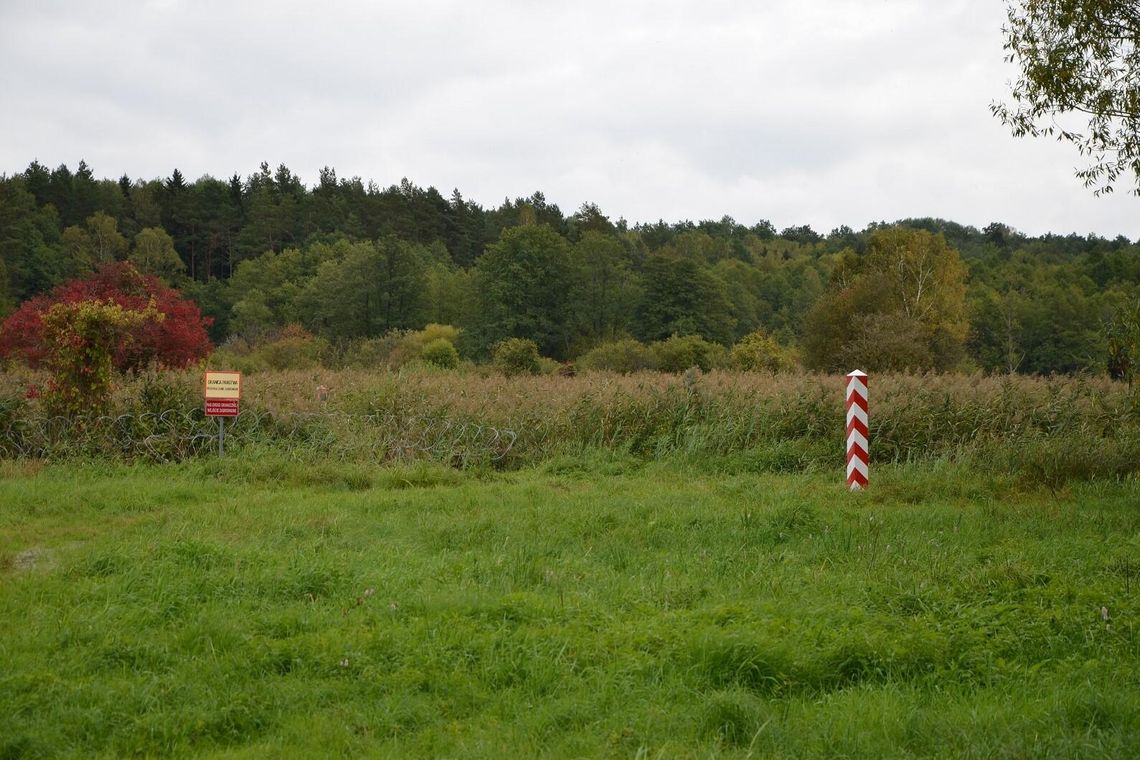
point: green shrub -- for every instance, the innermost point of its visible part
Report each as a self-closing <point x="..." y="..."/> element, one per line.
<point x="375" y="353"/>
<point x="624" y="356"/>
<point x="678" y="353"/>
<point x="758" y="351"/>
<point x="293" y="347"/>
<point x="159" y="391"/>
<point x="517" y="356"/>
<point x="396" y="348"/>
<point x="235" y="355"/>
<point x="12" y="412"/>
<point x="548" y="366"/>
<point x="433" y="332"/>
<point x="440" y="353"/>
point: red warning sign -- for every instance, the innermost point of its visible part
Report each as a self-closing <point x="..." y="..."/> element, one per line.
<point x="221" y="407"/>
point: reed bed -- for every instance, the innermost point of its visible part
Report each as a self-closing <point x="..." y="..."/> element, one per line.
<point x="1051" y="428"/>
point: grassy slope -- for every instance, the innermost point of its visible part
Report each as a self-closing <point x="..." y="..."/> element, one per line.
<point x="248" y="609"/>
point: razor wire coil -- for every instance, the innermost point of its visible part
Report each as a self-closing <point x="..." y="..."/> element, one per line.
<point x="176" y="435"/>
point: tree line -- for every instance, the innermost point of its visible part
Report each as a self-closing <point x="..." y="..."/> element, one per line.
<point x="349" y="261"/>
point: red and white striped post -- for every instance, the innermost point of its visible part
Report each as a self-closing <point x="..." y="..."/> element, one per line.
<point x="858" y="436"/>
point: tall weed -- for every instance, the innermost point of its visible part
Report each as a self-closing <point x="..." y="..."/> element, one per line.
<point x="1046" y="430"/>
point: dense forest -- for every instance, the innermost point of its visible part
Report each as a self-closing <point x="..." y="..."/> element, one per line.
<point x="349" y="262"/>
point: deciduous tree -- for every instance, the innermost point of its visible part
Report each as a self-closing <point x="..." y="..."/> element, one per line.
<point x="154" y="254"/>
<point x="96" y="243"/>
<point x="682" y="298"/>
<point x="901" y="305"/>
<point x="368" y="289"/>
<point x="605" y="290"/>
<point x="523" y="281"/>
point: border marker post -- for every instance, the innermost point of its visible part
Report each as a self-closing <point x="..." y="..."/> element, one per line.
<point x="858" y="433"/>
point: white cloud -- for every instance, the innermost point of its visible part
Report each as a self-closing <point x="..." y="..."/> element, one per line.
<point x="823" y="113"/>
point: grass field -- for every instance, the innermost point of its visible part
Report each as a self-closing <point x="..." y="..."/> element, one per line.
<point x="590" y="606"/>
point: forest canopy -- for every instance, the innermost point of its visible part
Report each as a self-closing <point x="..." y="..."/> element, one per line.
<point x="348" y="262"/>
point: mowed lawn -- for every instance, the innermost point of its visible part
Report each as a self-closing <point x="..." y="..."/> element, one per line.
<point x="588" y="608"/>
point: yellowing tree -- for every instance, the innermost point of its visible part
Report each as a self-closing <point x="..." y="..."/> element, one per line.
<point x="899" y="306"/>
<point x="154" y="254"/>
<point x="97" y="242"/>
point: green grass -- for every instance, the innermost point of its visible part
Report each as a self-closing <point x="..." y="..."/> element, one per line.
<point x="590" y="607"/>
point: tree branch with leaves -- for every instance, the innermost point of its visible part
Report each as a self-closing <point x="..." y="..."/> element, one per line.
<point x="1078" y="57"/>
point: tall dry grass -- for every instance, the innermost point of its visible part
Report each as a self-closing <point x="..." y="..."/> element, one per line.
<point x="1055" y="427"/>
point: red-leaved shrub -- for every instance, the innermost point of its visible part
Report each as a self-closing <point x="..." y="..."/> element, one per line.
<point x="177" y="340"/>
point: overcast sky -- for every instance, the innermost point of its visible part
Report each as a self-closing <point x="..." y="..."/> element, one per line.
<point x="820" y="112"/>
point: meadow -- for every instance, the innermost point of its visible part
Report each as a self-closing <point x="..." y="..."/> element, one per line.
<point x="446" y="565"/>
<point x="595" y="606"/>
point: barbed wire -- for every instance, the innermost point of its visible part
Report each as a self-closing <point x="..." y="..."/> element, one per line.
<point x="176" y="435"/>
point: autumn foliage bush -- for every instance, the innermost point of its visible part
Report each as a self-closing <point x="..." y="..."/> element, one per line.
<point x="176" y="340"/>
<point x="80" y="339"/>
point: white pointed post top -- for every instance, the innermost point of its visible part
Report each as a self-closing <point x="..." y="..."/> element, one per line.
<point x="857" y="373"/>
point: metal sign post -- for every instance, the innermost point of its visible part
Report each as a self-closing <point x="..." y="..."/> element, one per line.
<point x="223" y="394"/>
